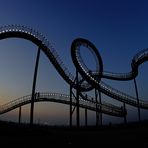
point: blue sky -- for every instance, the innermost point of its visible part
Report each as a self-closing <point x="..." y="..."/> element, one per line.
<point x="118" y="28"/>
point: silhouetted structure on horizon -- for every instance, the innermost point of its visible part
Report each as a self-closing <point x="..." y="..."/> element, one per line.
<point x="84" y="80"/>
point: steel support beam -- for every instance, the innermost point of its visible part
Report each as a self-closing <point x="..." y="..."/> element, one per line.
<point x="70" y="121"/>
<point x="100" y="101"/>
<point x="98" y="113"/>
<point x="77" y="100"/>
<point x="137" y="96"/>
<point x="34" y="86"/>
<point x="20" y="114"/>
<point x="86" y="117"/>
<point x="125" y="119"/>
<point x="97" y="110"/>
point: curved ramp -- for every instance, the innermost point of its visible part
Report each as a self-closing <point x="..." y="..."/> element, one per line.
<point x="64" y="99"/>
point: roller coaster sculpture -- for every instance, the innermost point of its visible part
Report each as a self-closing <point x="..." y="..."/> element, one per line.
<point x="85" y="79"/>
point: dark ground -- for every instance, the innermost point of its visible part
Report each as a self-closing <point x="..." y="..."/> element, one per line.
<point x="130" y="135"/>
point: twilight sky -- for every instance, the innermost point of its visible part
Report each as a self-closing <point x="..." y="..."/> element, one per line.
<point x="118" y="28"/>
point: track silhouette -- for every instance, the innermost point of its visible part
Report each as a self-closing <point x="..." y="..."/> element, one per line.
<point x="63" y="98"/>
<point x="90" y="79"/>
<point x="94" y="78"/>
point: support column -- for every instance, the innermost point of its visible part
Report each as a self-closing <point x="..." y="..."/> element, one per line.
<point x="136" y="89"/>
<point x="125" y="119"/>
<point x="86" y="117"/>
<point x="100" y="101"/>
<point x="98" y="114"/>
<point x="19" y="114"/>
<point x="70" y="121"/>
<point x="97" y="110"/>
<point x="34" y="86"/>
<point x="77" y="100"/>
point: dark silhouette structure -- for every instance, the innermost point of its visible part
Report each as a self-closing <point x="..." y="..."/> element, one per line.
<point x="20" y="110"/>
<point x="61" y="98"/>
<point x="139" y="116"/>
<point x="85" y="80"/>
<point x="34" y="86"/>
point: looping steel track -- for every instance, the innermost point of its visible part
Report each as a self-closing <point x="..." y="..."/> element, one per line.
<point x="92" y="79"/>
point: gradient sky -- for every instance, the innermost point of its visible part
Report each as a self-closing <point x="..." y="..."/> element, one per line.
<point x="118" y="28"/>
